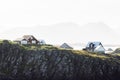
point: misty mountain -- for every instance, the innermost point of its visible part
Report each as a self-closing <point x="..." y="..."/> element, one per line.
<point x="67" y="32"/>
<point x="100" y="32"/>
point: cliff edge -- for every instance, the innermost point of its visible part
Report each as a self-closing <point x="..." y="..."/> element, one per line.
<point x="20" y="63"/>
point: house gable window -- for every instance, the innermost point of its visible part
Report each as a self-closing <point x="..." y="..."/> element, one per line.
<point x="24" y="42"/>
<point x="33" y="41"/>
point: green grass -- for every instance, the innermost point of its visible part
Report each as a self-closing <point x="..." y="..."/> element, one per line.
<point x="39" y="47"/>
<point x="90" y="54"/>
<point x="51" y="47"/>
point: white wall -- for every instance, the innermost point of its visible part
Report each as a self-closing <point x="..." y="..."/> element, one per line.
<point x="23" y="42"/>
<point x="33" y="42"/>
<point x="100" y="49"/>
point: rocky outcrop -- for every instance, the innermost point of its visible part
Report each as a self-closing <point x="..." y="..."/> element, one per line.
<point x="117" y="50"/>
<point x="17" y="63"/>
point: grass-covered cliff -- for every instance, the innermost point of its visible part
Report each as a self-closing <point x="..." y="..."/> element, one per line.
<point x="49" y="63"/>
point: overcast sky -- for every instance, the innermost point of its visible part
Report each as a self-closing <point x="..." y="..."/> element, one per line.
<point x="29" y="13"/>
<point x="46" y="12"/>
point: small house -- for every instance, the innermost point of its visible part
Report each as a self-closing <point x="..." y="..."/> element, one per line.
<point x="65" y="46"/>
<point x="110" y="49"/>
<point x="42" y="42"/>
<point x="95" y="47"/>
<point x="27" y="39"/>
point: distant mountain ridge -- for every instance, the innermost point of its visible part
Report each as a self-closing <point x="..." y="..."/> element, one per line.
<point x="67" y="32"/>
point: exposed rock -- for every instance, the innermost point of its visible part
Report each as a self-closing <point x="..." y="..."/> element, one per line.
<point x="17" y="63"/>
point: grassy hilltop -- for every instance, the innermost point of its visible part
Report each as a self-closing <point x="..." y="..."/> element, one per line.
<point x="35" y="62"/>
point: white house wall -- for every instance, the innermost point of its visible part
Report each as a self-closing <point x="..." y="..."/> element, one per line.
<point x="33" y="42"/>
<point x="23" y="42"/>
<point x="99" y="49"/>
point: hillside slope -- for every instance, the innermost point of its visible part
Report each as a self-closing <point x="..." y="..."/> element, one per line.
<point x="19" y="63"/>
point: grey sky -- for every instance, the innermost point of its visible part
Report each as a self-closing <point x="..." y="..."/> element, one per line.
<point x="30" y="13"/>
<point x="46" y="12"/>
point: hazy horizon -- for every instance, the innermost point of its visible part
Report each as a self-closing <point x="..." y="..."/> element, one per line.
<point x="17" y="17"/>
<point x="66" y="32"/>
